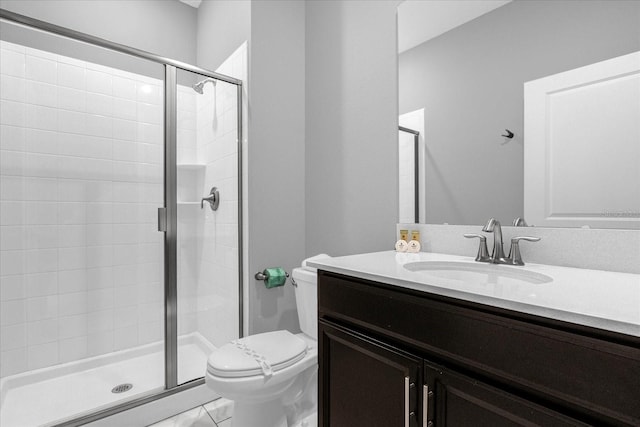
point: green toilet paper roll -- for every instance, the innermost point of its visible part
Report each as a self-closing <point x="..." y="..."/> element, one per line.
<point x="275" y="277"/>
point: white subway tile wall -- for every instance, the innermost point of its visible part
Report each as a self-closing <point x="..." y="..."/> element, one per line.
<point x="81" y="176"/>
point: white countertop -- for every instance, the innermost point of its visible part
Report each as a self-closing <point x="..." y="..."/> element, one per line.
<point x="600" y="299"/>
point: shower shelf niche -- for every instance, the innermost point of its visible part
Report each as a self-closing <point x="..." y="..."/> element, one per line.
<point x="190" y="183"/>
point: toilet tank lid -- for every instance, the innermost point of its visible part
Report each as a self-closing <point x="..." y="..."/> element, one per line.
<point x="319" y="256"/>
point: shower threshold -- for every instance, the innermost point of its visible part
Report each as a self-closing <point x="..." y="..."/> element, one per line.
<point x="49" y="396"/>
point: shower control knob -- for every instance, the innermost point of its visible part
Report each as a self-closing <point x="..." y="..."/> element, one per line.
<point x="213" y="199"/>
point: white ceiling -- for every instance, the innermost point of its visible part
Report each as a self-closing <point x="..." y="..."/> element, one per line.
<point x="422" y="20"/>
<point x="192" y="3"/>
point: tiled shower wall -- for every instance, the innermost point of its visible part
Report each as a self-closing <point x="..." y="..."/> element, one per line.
<point x="81" y="178"/>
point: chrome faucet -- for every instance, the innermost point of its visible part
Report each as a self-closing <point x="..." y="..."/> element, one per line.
<point x="497" y="255"/>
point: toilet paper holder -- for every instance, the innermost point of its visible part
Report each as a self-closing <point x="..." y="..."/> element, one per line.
<point x="263" y="276"/>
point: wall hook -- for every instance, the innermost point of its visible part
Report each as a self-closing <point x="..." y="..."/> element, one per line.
<point x="509" y="134"/>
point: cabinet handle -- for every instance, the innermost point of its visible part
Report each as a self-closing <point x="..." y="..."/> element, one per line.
<point x="406" y="402"/>
<point x="425" y="406"/>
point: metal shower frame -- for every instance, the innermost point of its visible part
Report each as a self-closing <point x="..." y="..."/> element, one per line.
<point x="170" y="208"/>
<point x="416" y="171"/>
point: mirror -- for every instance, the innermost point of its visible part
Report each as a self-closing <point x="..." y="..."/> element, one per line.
<point x="465" y="64"/>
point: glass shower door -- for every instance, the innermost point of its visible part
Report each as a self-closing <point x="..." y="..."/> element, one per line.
<point x="81" y="261"/>
<point x="207" y="220"/>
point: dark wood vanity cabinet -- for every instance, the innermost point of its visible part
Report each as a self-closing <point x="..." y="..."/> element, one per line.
<point x="390" y="357"/>
<point x="367" y="384"/>
<point x="464" y="401"/>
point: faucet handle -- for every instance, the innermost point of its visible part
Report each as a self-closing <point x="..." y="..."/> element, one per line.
<point x="483" y="252"/>
<point x="527" y="238"/>
<point x="515" y="257"/>
<point x="213" y="199"/>
<point x="479" y="236"/>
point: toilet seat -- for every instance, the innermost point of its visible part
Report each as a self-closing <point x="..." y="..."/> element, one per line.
<point x="260" y="354"/>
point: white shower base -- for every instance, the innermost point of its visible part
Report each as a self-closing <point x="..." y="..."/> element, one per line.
<point x="48" y="396"/>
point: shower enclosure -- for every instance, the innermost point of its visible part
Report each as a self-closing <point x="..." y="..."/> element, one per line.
<point x="117" y="276"/>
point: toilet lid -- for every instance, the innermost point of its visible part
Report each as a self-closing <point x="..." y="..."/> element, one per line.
<point x="259" y="354"/>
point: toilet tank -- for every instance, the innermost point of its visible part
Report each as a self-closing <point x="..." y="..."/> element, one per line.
<point x="306" y="279"/>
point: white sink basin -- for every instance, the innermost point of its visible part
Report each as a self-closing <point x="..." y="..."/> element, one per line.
<point x="480" y="273"/>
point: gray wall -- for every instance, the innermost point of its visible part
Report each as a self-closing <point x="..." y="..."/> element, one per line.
<point x="470" y="82"/>
<point x="223" y="25"/>
<point x="351" y="126"/>
<point x="276" y="157"/>
<point x="166" y="28"/>
<point x="322" y="123"/>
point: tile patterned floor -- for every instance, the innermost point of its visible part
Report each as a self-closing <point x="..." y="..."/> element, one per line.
<point x="214" y="414"/>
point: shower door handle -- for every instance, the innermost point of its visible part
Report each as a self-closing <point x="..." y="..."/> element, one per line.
<point x="162" y="219"/>
<point x="213" y="198"/>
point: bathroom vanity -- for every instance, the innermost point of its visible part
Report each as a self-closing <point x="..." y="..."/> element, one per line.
<point x="433" y="340"/>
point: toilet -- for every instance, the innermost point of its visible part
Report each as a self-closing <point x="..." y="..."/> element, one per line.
<point x="272" y="377"/>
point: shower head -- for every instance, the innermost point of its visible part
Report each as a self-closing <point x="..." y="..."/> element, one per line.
<point x="199" y="87"/>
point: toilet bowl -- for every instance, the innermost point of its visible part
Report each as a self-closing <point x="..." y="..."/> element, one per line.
<point x="272" y="377"/>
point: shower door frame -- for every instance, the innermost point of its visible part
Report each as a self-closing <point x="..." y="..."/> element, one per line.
<point x="416" y="171"/>
<point x="167" y="215"/>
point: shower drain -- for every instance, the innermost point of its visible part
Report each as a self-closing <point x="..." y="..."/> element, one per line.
<point x="121" y="388"/>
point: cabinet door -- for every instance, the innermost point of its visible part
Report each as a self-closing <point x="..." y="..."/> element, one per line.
<point x="364" y="383"/>
<point x="454" y="400"/>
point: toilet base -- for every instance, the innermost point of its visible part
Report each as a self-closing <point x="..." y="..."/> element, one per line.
<point x="266" y="414"/>
<point x="308" y="421"/>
